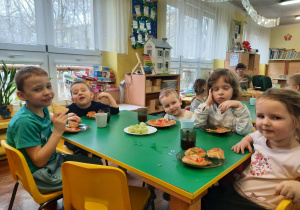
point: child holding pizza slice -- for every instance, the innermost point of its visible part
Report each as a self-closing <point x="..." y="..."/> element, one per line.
<point x="29" y="130"/>
<point x="221" y="107"/>
<point x="171" y="103"/>
<point x="274" y="170"/>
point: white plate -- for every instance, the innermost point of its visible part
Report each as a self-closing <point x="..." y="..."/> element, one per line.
<point x="150" y="131"/>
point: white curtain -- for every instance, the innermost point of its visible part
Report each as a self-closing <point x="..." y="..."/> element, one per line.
<point x="114" y="19"/>
<point x="224" y="17"/>
<point x="198" y="30"/>
<point x="259" y="38"/>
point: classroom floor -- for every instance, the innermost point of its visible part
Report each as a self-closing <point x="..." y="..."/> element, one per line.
<point x="24" y="201"/>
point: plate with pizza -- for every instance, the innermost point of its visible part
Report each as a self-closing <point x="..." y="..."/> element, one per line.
<point x="81" y="127"/>
<point x="215" y="129"/>
<point x="198" y="158"/>
<point x="161" y="123"/>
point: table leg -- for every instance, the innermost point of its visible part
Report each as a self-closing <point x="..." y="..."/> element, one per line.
<point x="178" y="201"/>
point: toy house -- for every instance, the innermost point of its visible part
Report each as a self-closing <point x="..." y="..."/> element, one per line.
<point x="160" y="53"/>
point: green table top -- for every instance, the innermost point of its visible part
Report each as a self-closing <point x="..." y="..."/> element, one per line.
<point x="154" y="156"/>
<point x="251" y="109"/>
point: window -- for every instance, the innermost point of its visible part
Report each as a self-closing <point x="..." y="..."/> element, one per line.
<point x="52" y="34"/>
<point x="190" y="31"/>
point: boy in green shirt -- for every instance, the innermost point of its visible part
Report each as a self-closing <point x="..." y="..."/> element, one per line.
<point x="30" y="129"/>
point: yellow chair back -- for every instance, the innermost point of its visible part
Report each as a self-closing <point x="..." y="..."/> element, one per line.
<point x="21" y="173"/>
<point x="88" y="186"/>
<point x="285" y="204"/>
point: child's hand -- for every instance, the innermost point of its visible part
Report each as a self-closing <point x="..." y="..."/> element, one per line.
<point x="60" y="121"/>
<point x="244" y="143"/>
<point x="74" y="117"/>
<point x="210" y="100"/>
<point x="224" y="106"/>
<point x="290" y="190"/>
<point x="103" y="94"/>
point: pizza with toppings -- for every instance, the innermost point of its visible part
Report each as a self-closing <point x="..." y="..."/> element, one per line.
<point x="162" y="122"/>
<point x="72" y="130"/>
<point x="219" y="129"/>
<point x="195" y="151"/>
<point x="195" y="160"/>
<point x="215" y="153"/>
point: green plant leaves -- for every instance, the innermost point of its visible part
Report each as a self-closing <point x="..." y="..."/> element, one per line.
<point x="7" y="84"/>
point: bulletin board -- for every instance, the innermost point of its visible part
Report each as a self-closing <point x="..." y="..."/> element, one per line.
<point x="236" y="32"/>
<point x="144" y="22"/>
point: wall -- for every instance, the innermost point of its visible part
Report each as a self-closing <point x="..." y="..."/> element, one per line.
<point x="277" y="37"/>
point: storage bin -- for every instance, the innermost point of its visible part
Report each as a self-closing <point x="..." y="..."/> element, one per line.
<point x="169" y="84"/>
<point x="149" y="89"/>
<point x="148" y="83"/>
<point x="157" y="82"/>
<point x="156" y="88"/>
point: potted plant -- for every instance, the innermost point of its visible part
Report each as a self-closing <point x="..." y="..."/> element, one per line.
<point x="7" y="88"/>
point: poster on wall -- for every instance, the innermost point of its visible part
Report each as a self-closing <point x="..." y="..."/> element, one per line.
<point x="144" y="22"/>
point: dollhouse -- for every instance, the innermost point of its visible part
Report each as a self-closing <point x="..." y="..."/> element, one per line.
<point x="160" y="53"/>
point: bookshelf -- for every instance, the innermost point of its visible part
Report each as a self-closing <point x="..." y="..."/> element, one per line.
<point x="283" y="54"/>
<point x="278" y="67"/>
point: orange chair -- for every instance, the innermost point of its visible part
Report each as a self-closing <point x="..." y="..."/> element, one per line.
<point x="20" y="172"/>
<point x="62" y="148"/>
<point x="89" y="186"/>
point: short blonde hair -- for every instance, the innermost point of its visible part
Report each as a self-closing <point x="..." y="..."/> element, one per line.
<point x="165" y="92"/>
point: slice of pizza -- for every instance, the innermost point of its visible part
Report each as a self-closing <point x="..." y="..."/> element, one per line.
<point x="195" y="160"/>
<point x="195" y="151"/>
<point x="73" y="124"/>
<point x="216" y="153"/>
<point x="57" y="108"/>
<point x="91" y="114"/>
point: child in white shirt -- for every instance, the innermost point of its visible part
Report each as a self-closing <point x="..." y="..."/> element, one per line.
<point x="274" y="171"/>
<point x="171" y="103"/>
<point x="221" y="107"/>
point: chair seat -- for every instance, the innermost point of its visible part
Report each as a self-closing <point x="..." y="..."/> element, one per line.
<point x="138" y="197"/>
<point x="63" y="149"/>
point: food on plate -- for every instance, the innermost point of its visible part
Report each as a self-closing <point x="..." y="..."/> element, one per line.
<point x="73" y="124"/>
<point x="58" y="108"/>
<point x="91" y="114"/>
<point x="216" y="153"/>
<point x="220" y="129"/>
<point x="138" y="129"/>
<point x="195" y="151"/>
<point x="162" y="122"/>
<point x="195" y="160"/>
<point x="72" y="129"/>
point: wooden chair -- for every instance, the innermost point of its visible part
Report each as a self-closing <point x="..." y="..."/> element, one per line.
<point x="89" y="186"/>
<point x="20" y="172"/>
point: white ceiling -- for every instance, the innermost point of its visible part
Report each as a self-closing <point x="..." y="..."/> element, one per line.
<point x="272" y="9"/>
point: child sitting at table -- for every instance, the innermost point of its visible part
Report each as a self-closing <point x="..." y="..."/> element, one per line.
<point x="274" y="170"/>
<point x="199" y="88"/>
<point x="29" y="130"/>
<point x="171" y="103"/>
<point x="221" y="107"/>
<point x="82" y="96"/>
<point x="293" y="82"/>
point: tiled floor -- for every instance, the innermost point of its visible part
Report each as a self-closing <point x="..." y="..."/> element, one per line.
<point x="23" y="200"/>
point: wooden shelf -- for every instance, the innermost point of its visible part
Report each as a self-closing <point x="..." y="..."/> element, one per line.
<point x="278" y="67"/>
<point x="135" y="91"/>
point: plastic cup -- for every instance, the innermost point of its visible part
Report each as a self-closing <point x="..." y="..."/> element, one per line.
<point x="187" y="138"/>
<point x="101" y="120"/>
<point x="252" y="101"/>
<point x="142" y="114"/>
<point x="106" y="110"/>
<point x="187" y="123"/>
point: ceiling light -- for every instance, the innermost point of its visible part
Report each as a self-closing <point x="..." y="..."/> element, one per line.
<point x="282" y="2"/>
<point x="297" y="17"/>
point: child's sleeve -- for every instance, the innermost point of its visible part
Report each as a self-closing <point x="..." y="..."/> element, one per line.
<point x="201" y="115"/>
<point x="243" y="120"/>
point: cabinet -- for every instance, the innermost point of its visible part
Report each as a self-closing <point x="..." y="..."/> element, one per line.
<point x="275" y="68"/>
<point x="251" y="60"/>
<point x="143" y="90"/>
